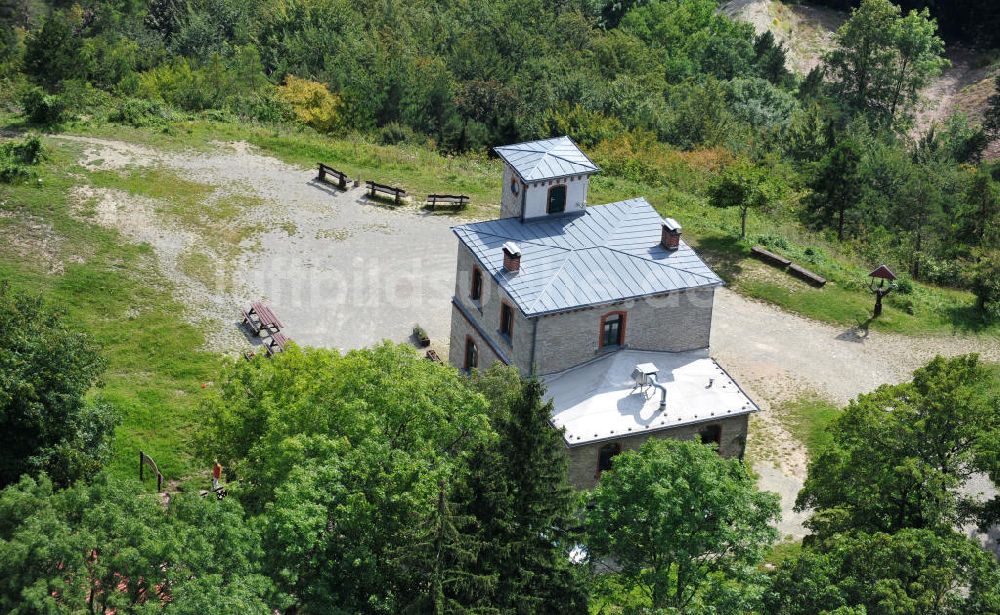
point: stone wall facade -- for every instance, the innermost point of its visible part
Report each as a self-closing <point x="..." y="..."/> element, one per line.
<point x="485" y="314"/>
<point x="583" y="459"/>
<point x="674" y="322"/>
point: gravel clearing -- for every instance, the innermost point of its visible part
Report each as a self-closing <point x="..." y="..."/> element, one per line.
<point x="344" y="272"/>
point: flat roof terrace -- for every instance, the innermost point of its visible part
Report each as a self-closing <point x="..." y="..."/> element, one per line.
<point x="599" y="400"/>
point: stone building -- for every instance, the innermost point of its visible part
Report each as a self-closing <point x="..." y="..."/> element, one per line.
<point x="606" y="304"/>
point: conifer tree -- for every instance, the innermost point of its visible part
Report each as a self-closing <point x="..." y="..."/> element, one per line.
<point x="524" y="503"/>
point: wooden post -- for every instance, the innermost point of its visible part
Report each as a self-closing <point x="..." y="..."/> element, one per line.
<point x="322" y="173"/>
<point x="142" y="457"/>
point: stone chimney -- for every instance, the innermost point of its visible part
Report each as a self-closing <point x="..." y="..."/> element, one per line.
<point x="511" y="256"/>
<point x="670" y="238"/>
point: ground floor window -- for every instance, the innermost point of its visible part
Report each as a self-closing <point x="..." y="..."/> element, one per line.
<point x="471" y="354"/>
<point x="605" y="455"/>
<point x="711" y="434"/>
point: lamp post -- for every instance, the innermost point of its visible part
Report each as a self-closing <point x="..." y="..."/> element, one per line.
<point x="883" y="282"/>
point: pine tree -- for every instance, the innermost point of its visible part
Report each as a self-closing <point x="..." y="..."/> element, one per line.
<point x="524" y="503"/>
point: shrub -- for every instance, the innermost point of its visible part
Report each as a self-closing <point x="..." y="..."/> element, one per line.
<point x="140" y="113"/>
<point x="265" y="106"/>
<point x="42" y="109"/>
<point x="312" y="103"/>
<point x="17" y="156"/>
<point x="986" y="287"/>
<point x="395" y="133"/>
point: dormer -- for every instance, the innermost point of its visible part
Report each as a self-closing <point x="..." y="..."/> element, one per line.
<point x="544" y="178"/>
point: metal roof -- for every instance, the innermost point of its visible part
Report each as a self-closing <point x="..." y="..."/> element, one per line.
<point x="605" y="254"/>
<point x="598" y="400"/>
<point x="546" y="159"/>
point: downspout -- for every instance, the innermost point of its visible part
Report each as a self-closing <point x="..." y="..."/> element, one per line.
<point x="524" y="199"/>
<point x="663" y="391"/>
<point x="534" y="341"/>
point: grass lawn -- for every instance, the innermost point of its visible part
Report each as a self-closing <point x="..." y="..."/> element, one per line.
<point x="111" y="289"/>
<point x="807" y="419"/>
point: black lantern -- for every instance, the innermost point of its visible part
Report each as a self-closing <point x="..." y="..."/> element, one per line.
<point x="883" y="282"/>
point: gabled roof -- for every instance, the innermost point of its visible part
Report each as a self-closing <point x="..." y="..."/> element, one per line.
<point x="546" y="159"/>
<point x="605" y="254"/>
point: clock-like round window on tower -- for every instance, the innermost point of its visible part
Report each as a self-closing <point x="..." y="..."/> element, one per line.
<point x="515" y="186"/>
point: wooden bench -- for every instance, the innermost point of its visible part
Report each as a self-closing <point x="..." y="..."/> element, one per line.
<point x="770" y="257"/>
<point x="276" y="344"/>
<point x="455" y="201"/>
<point x="432" y="356"/>
<point x="804" y="274"/>
<point x="397" y="193"/>
<point x="337" y="178"/>
<point x="260" y="317"/>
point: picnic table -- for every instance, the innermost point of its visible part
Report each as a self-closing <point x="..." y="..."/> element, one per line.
<point x="261" y="318"/>
<point x="276" y="344"/>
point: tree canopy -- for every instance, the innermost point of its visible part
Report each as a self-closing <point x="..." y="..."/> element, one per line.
<point x="674" y="515"/>
<point x="47" y="422"/>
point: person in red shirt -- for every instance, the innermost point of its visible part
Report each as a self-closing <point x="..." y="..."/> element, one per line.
<point x="216" y="475"/>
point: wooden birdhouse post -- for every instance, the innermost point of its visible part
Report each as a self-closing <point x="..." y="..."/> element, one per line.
<point x="883" y="282"/>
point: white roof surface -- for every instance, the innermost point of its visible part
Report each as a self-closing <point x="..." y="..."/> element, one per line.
<point x="595" y="401"/>
<point x="546" y="159"/>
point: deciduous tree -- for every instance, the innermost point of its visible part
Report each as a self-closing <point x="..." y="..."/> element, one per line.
<point x="46" y="421"/>
<point x="882" y="59"/>
<point x="899" y="455"/>
<point x="673" y="514"/>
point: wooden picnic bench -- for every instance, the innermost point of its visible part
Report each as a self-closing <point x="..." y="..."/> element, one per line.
<point x="456" y="201"/>
<point x="374" y="187"/>
<point x="336" y="178"/>
<point x="276" y="344"/>
<point x="770" y="257"/>
<point x="432" y="356"/>
<point x="260" y="317"/>
<point x="804" y="274"/>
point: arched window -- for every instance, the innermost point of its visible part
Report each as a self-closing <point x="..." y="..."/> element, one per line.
<point x="604" y="456"/>
<point x="471" y="354"/>
<point x="476" y="292"/>
<point x="557" y="200"/>
<point x="612" y="329"/>
<point x="710" y="434"/>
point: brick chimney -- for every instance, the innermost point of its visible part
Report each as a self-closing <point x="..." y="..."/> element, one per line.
<point x="511" y="256"/>
<point x="670" y="238"/>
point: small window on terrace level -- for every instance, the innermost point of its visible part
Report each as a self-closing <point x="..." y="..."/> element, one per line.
<point x="605" y="455"/>
<point x="613" y="329"/>
<point x="710" y="434"/>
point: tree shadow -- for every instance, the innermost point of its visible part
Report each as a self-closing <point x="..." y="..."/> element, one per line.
<point x="724" y="253"/>
<point x="966" y="319"/>
<point x="857" y="334"/>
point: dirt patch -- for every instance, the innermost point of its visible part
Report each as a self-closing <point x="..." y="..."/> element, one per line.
<point x="806" y="31"/>
<point x="137" y="220"/>
<point x="964" y="87"/>
<point x="33" y="240"/>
